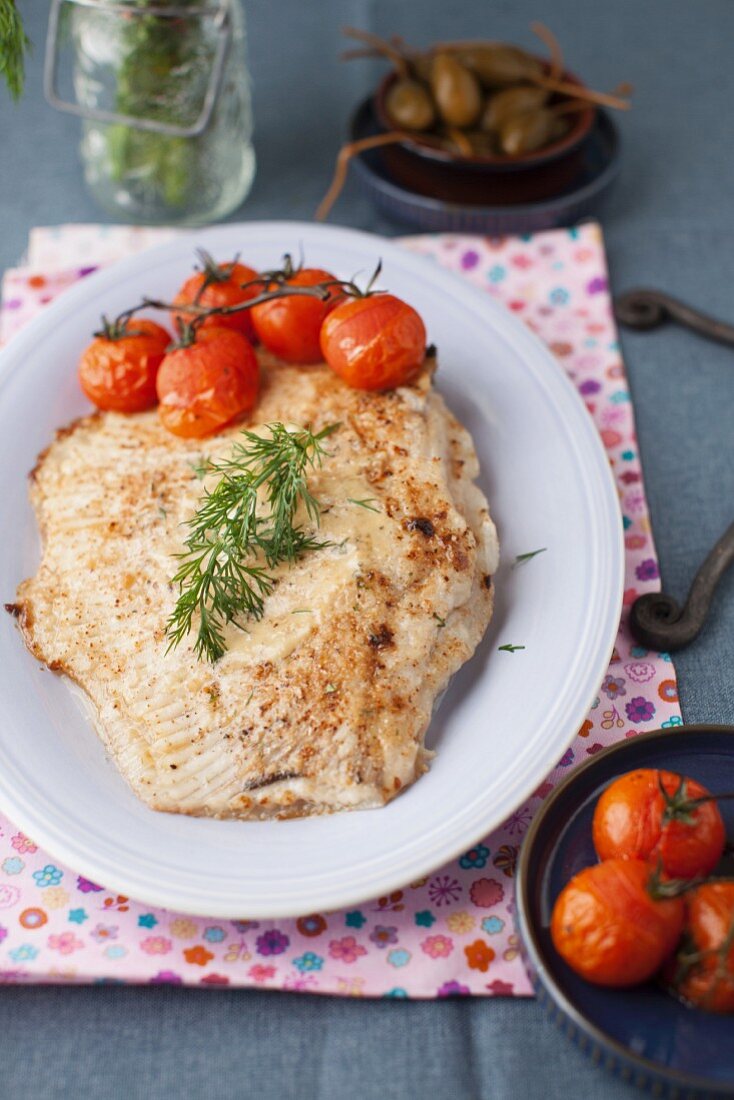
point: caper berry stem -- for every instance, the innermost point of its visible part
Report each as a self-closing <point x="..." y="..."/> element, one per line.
<point x="580" y="91"/>
<point x="549" y="40"/>
<point x="344" y="156"/>
<point x="388" y="49"/>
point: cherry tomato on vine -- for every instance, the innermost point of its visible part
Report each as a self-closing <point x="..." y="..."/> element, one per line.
<point x="118" y="370"/>
<point x="207" y="384"/>
<point x="653" y="815"/>
<point x="610" y="928"/>
<point x="219" y="285"/>
<point x="702" y="971"/>
<point x="375" y="342"/>
<point x="290" y="326"/>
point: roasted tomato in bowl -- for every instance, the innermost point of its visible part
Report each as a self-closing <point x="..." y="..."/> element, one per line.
<point x="702" y="972"/>
<point x="612" y="926"/>
<point x="663" y="817"/>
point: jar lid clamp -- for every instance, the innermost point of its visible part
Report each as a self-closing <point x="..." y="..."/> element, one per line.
<point x="219" y="12"/>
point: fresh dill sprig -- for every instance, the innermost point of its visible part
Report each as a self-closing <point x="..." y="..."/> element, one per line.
<point x="367" y="503"/>
<point x="200" y="468"/>
<point x="215" y="578"/>
<point x="522" y="558"/>
<point x="14" y="45"/>
<point x="509" y="648"/>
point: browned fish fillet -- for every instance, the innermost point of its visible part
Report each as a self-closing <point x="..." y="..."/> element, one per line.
<point x="324" y="703"/>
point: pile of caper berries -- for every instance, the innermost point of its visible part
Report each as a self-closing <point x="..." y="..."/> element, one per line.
<point x="480" y="100"/>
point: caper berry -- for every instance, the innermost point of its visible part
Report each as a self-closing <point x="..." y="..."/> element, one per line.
<point x="409" y="105"/>
<point x="525" y="133"/>
<point x="502" y="104"/>
<point x="497" y="65"/>
<point x="455" y="90"/>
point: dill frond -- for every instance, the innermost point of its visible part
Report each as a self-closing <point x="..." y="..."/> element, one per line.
<point x="215" y="579"/>
<point x="14" y="45"/>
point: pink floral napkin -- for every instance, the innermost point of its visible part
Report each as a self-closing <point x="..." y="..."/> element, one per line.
<point x="451" y="932"/>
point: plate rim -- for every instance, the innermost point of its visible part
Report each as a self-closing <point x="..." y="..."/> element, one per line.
<point x="11" y="358"/>
<point x="534" y="951"/>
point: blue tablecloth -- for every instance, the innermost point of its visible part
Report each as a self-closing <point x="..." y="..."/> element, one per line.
<point x="669" y="223"/>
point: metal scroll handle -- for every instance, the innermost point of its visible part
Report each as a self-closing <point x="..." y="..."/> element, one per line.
<point x="648" y="309"/>
<point x="219" y="12"/>
<point x="658" y="622"/>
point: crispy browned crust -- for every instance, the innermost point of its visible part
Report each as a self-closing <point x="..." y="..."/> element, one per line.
<point x="339" y="721"/>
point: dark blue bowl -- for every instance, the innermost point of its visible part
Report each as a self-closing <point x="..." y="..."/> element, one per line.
<point x="644" y="1035"/>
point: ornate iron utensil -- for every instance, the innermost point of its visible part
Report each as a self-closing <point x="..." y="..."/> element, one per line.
<point x="646" y="309"/>
<point x="658" y="622"/>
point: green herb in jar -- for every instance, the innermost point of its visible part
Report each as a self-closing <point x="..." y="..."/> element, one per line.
<point x="164" y="66"/>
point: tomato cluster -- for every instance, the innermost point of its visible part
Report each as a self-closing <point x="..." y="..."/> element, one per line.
<point x="645" y="908"/>
<point x="209" y="376"/>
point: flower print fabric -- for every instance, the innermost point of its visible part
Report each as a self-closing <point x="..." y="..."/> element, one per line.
<point x="640" y="709"/>
<point x="47" y="876"/>
<point x="382" y="936"/>
<point x="449" y="934"/>
<point x="346" y="950"/>
<point x="272" y="942"/>
<point x="613" y="686"/>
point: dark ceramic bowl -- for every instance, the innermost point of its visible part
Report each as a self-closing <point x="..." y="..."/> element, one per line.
<point x="420" y="153"/>
<point x="643" y="1035"/>
<point x="497" y="180"/>
<point x="563" y="194"/>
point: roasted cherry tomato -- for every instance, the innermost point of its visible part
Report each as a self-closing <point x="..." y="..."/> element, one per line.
<point x="219" y="285"/>
<point x="206" y="385"/>
<point x="374" y="343"/>
<point x="290" y="326"/>
<point x="118" y="370"/>
<point x="609" y="927"/>
<point x="647" y="814"/>
<point x="703" y="969"/>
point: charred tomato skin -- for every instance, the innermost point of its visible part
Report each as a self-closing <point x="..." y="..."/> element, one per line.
<point x="374" y="343"/>
<point x="119" y="374"/>
<point x="610" y="929"/>
<point x="208" y="384"/>
<point x="702" y="973"/>
<point x="630" y="823"/>
<point x="224" y="292"/>
<point x="290" y="327"/>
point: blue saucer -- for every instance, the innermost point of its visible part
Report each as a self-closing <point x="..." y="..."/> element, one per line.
<point x="642" y="1035"/>
<point x="596" y="165"/>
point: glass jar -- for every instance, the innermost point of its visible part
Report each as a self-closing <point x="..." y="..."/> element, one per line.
<point x="161" y="66"/>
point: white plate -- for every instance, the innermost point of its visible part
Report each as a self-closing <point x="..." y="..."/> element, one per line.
<point x="506" y="719"/>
